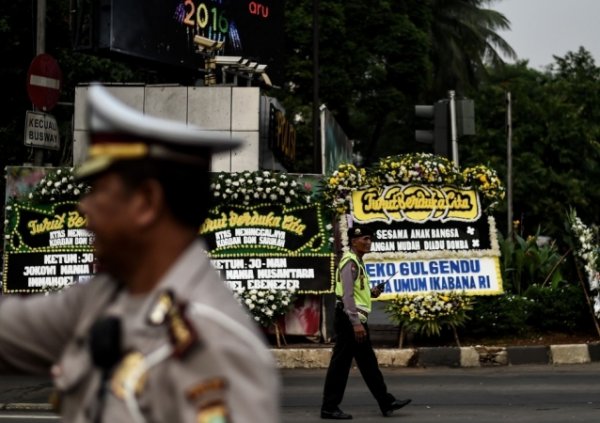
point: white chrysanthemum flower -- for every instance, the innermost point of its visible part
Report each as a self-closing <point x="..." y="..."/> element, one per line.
<point x="597" y="305"/>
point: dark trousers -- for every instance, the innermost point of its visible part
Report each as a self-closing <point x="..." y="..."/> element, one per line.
<point x="346" y="348"/>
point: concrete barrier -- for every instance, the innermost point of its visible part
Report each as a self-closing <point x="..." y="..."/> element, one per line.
<point x="473" y="356"/>
<point x="570" y="354"/>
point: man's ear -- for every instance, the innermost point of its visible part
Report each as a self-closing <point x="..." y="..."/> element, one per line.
<point x="149" y="202"/>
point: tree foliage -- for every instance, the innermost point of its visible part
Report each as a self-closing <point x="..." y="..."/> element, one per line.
<point x="374" y="63"/>
<point x="555" y="149"/>
<point x="377" y="59"/>
<point x="464" y="39"/>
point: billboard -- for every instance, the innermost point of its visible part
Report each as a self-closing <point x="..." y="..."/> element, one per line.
<point x="164" y="31"/>
<point x="336" y="148"/>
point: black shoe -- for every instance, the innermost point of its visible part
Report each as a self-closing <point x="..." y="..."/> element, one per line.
<point x="395" y="405"/>
<point x="335" y="415"/>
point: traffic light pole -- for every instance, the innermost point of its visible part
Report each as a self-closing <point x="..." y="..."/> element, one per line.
<point x="509" y="165"/>
<point x="453" y="132"/>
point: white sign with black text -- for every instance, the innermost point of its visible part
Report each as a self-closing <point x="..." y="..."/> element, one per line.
<point x="41" y="131"/>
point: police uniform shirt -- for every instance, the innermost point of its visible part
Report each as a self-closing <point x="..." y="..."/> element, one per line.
<point x="225" y="375"/>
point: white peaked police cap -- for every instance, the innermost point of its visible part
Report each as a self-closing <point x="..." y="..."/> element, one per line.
<point x="119" y="132"/>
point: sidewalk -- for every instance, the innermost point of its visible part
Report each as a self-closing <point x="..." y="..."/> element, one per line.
<point x="385" y="334"/>
<point x="473" y="356"/>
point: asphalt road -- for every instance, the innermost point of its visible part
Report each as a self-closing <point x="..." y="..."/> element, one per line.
<point x="540" y="394"/>
<point x="535" y="394"/>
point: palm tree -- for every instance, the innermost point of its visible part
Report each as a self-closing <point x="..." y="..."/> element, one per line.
<point x="464" y="40"/>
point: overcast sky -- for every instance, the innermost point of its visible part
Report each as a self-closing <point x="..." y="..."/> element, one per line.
<point x="542" y="28"/>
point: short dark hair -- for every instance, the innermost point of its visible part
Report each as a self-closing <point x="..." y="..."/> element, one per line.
<point x="186" y="186"/>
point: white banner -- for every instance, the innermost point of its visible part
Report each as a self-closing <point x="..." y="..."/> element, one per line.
<point x="473" y="276"/>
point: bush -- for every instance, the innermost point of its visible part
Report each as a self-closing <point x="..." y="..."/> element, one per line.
<point x="541" y="309"/>
<point x="499" y="316"/>
<point x="525" y="262"/>
<point x="558" y="309"/>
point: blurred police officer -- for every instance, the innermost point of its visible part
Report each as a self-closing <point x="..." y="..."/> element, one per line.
<point x="353" y="305"/>
<point x="156" y="336"/>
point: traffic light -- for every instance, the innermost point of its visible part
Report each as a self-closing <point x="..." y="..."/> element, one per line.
<point x="439" y="136"/>
<point x="465" y="117"/>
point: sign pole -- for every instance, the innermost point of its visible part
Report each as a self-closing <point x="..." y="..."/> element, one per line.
<point x="40" y="38"/>
<point x="40" y="48"/>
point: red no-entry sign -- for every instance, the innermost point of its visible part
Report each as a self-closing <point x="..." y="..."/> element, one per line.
<point x="44" y="80"/>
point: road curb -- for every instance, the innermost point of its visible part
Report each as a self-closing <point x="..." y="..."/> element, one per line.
<point x="473" y="356"/>
<point x="26" y="406"/>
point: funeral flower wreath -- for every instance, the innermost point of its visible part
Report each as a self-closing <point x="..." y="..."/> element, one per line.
<point x="259" y="187"/>
<point x="416" y="168"/>
<point x="266" y="305"/>
<point x="427" y="314"/>
<point x="587" y="251"/>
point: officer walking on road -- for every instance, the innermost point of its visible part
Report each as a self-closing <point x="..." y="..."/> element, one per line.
<point x="353" y="305"/>
<point x="156" y="336"/>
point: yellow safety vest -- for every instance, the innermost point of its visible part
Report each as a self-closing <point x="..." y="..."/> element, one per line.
<point x="362" y="287"/>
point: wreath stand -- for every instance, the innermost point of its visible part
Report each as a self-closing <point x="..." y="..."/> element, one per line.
<point x="403" y="335"/>
<point x="279" y="336"/>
